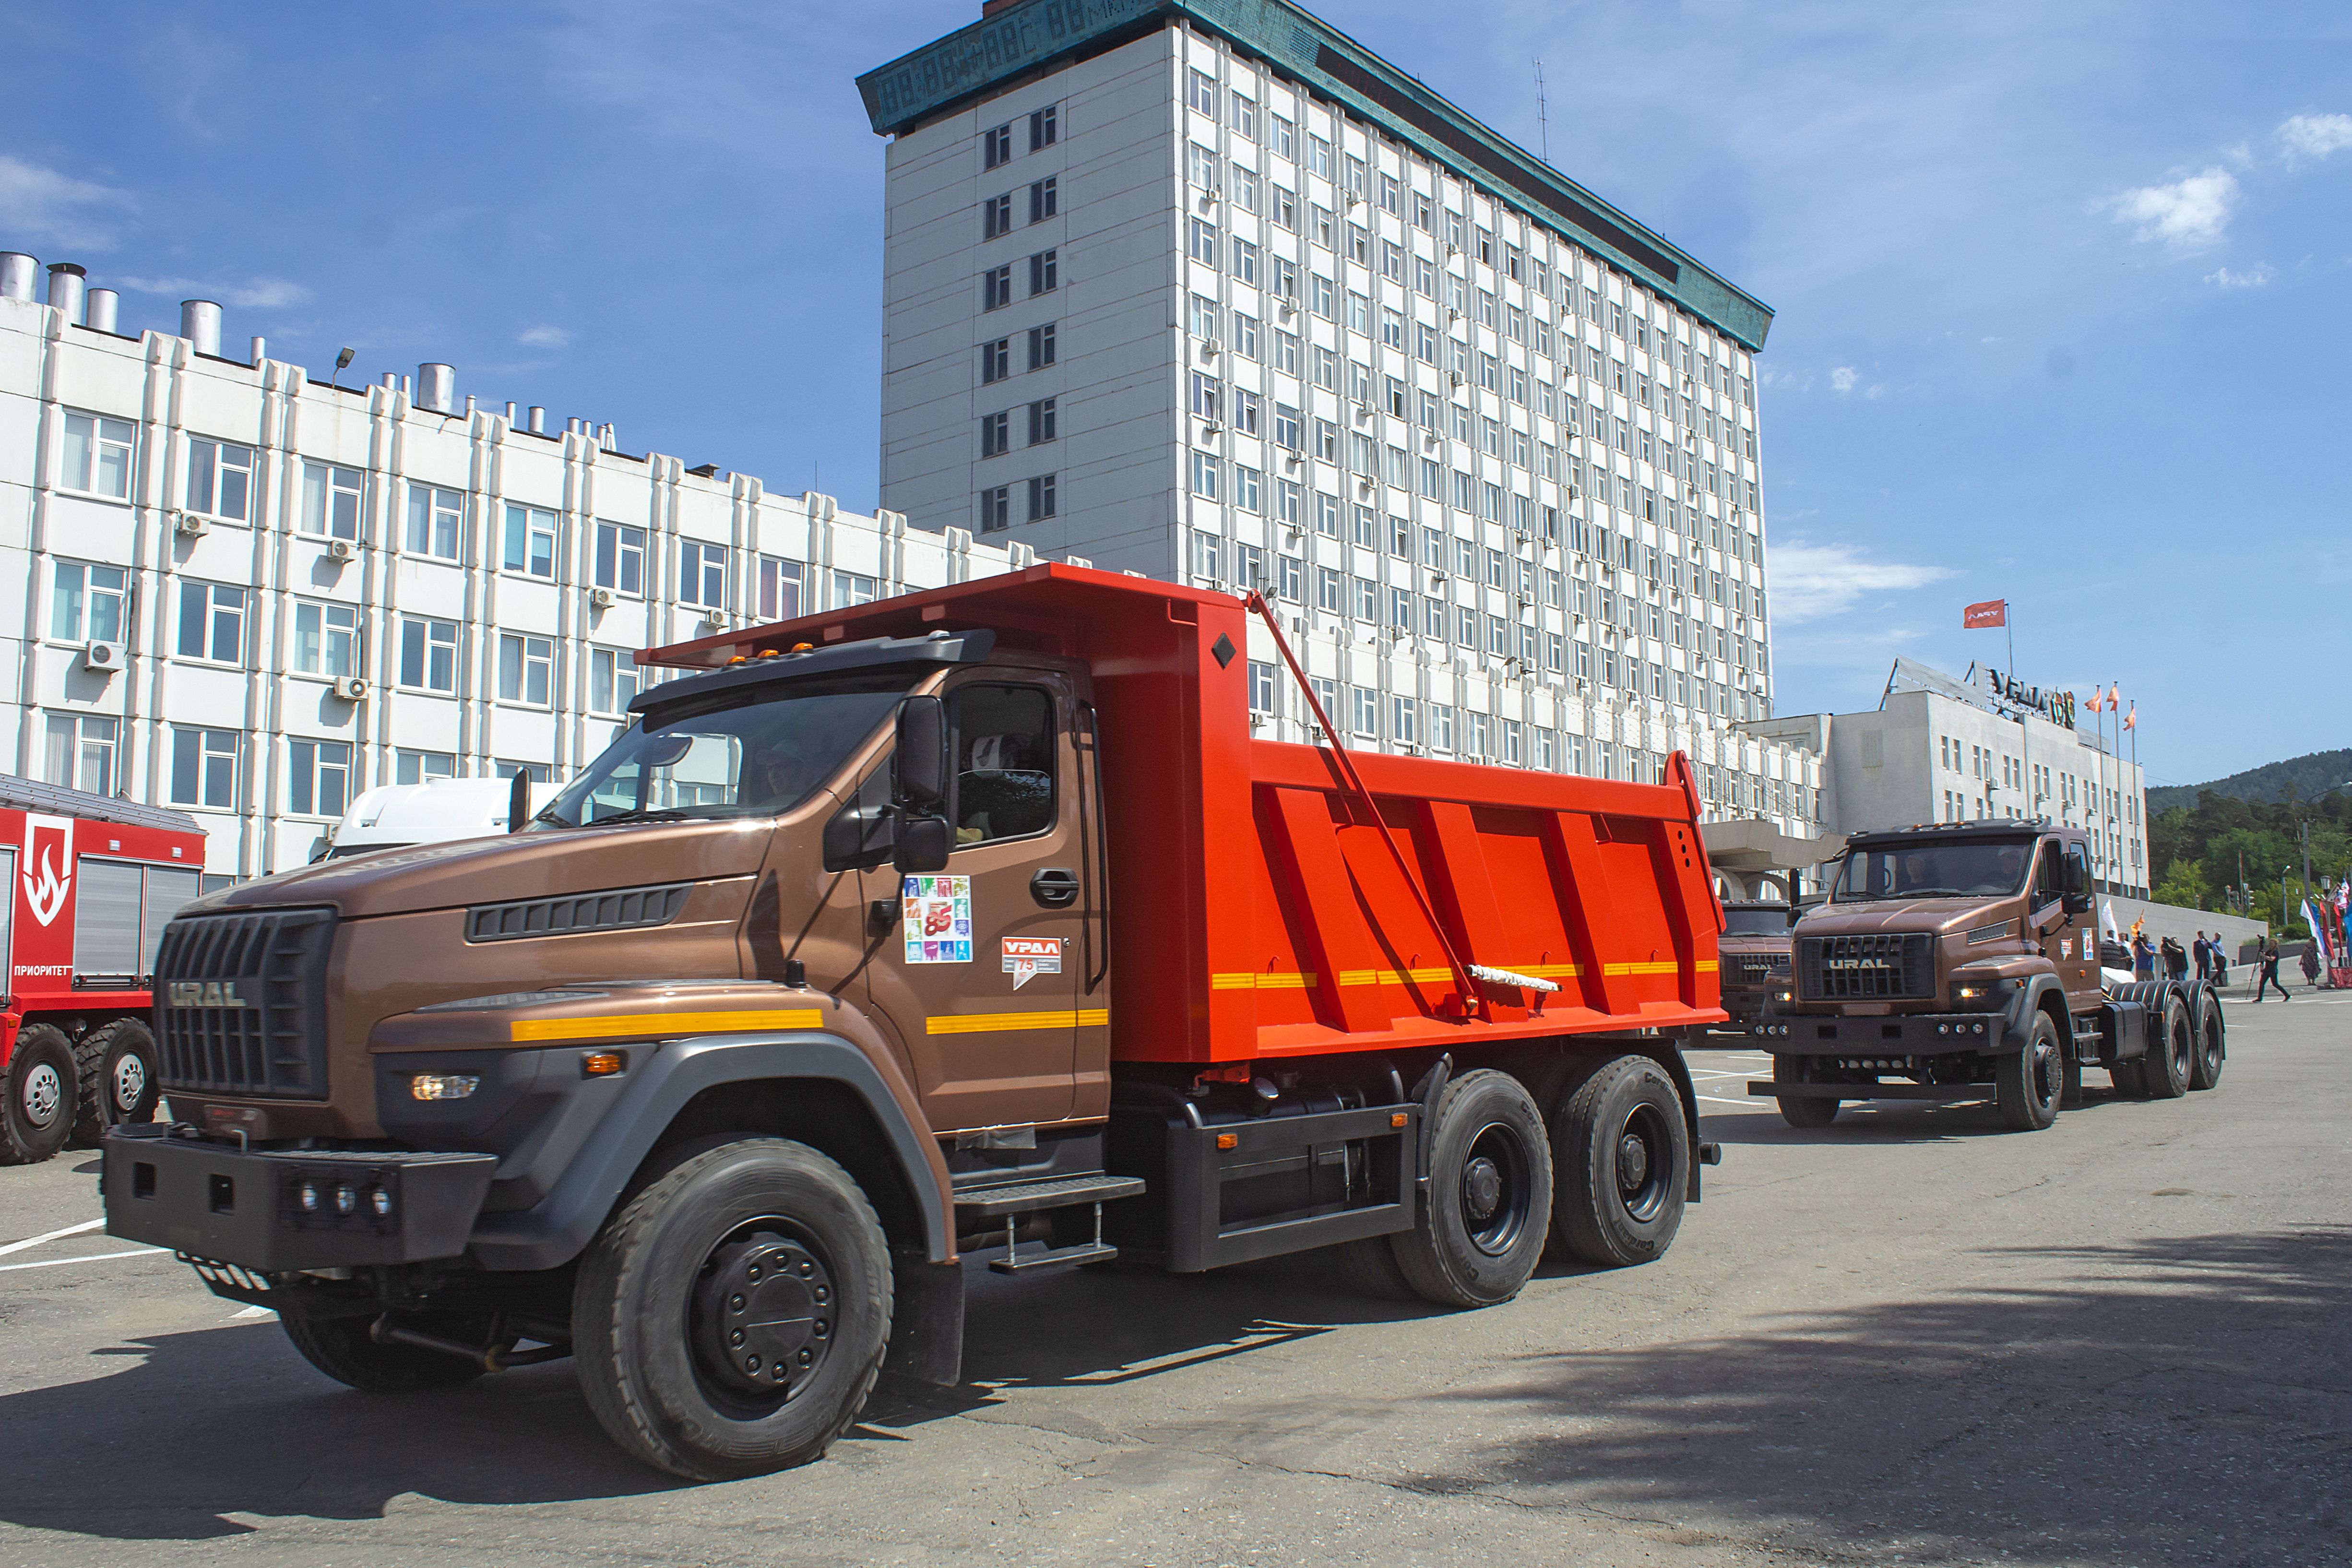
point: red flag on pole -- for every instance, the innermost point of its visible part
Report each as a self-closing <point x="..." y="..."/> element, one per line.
<point x="1991" y="613"/>
<point x="2114" y="696"/>
<point x="2094" y="702"/>
<point x="2131" y="720"/>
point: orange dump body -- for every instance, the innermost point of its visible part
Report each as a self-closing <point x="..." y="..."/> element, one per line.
<point x="1254" y="912"/>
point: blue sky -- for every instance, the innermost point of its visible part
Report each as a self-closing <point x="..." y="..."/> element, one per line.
<point x="2061" y="287"/>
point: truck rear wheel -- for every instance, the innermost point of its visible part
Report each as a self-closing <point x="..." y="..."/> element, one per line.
<point x="2164" y="1070"/>
<point x="346" y="1349"/>
<point x="731" y="1320"/>
<point x="2212" y="1040"/>
<point x="1481" y="1235"/>
<point x="117" y="1070"/>
<point x="2029" y="1085"/>
<point x="1800" y="1109"/>
<point x="36" y="1096"/>
<point x="1623" y="1155"/>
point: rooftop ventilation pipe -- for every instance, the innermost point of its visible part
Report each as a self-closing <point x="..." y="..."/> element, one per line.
<point x="101" y="309"/>
<point x="513" y="413"/>
<point x="16" y="270"/>
<point x="538" y="420"/>
<point x="68" y="283"/>
<point x="257" y="351"/>
<point x="436" y="388"/>
<point x="200" y="323"/>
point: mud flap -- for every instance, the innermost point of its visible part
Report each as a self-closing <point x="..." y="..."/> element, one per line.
<point x="925" y="1321"/>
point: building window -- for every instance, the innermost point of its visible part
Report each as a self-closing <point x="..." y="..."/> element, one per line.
<point x="436" y="518"/>
<point x="1041" y="346"/>
<point x="325" y="638"/>
<point x="1441" y="727"/>
<point x="612" y="679"/>
<point x="422" y="767"/>
<point x="996" y="360"/>
<point x="994" y="433"/>
<point x="1041" y="497"/>
<point x="1201" y="92"/>
<point x="331" y="500"/>
<point x="98" y="455"/>
<point x="531" y="541"/>
<point x="854" y="588"/>
<point x="319" y="777"/>
<point x="1262" y="690"/>
<point x="212" y="621"/>
<point x="1045" y="129"/>
<point x="1208" y="556"/>
<point x="1044" y="198"/>
<point x="205" y="767"/>
<point x="81" y="752"/>
<point x="1367" y="706"/>
<point x="1247" y="484"/>
<point x="779" y="589"/>
<point x="428" y="653"/>
<point x="90" y="600"/>
<point x="996" y="216"/>
<point x="996" y="145"/>
<point x="1041" y="421"/>
<point x="1205" y="475"/>
<point x="621" y="558"/>
<point x="526" y="669"/>
<point x="996" y="509"/>
<point x="220" y="479"/>
<point x="1044" y="272"/>
<point x="702" y="573"/>
<point x="996" y="287"/>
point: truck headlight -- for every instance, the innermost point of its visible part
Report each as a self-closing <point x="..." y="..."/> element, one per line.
<point x="1968" y="993"/>
<point x="444" y="1085"/>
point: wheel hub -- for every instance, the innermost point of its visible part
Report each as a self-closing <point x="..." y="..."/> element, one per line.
<point x="1482" y="1189"/>
<point x="44" y="1093"/>
<point x="2045" y="1073"/>
<point x="764" y="1314"/>
<point x="1633" y="1163"/>
<point x="129" y="1082"/>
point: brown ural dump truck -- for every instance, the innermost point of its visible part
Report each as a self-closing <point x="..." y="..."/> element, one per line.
<point x="970" y="922"/>
<point x="1754" y="952"/>
<point x="1958" y="957"/>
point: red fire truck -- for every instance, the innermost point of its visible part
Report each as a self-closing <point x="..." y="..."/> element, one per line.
<point x="94" y="879"/>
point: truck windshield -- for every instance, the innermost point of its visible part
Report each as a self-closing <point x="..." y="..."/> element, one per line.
<point x="1771" y="921"/>
<point x="1933" y="872"/>
<point x="755" y="754"/>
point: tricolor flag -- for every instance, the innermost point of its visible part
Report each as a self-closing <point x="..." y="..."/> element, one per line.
<point x="1991" y="613"/>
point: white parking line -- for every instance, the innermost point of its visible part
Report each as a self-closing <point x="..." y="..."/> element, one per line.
<point x="51" y="1236"/>
<point x="1718" y="1100"/>
<point x="89" y="1257"/>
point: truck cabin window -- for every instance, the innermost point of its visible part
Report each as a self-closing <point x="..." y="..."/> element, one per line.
<point x="750" y="753"/>
<point x="1934" y="871"/>
<point x="2049" y="881"/>
<point x="1004" y="763"/>
<point x="1769" y="921"/>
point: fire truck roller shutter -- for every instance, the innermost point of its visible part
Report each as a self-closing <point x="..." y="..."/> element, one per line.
<point x="170" y="890"/>
<point x="108" y="898"/>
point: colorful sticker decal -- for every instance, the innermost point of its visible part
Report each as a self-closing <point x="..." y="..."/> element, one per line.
<point x="2066" y="947"/>
<point x="936" y="913"/>
<point x="1030" y="955"/>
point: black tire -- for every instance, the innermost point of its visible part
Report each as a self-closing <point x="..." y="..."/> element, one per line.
<point x="1804" y="1111"/>
<point x="2164" y="1070"/>
<point x="761" y="1226"/>
<point x="116" y="1066"/>
<point x="36" y="1096"/>
<point x="1369" y="1268"/>
<point x="1479" y="1237"/>
<point x="346" y="1349"/>
<point x="2212" y="1040"/>
<point x="2127" y="1081"/>
<point x="1622" y="1154"/>
<point x="2029" y="1086"/>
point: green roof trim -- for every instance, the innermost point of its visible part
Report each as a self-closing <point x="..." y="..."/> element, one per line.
<point x="1024" y="38"/>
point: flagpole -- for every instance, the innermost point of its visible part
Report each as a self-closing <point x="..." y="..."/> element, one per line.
<point x="2012" y="631"/>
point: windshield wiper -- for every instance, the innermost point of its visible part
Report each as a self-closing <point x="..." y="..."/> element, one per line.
<point x="648" y="814"/>
<point x="1928" y="894"/>
<point x="554" y="818"/>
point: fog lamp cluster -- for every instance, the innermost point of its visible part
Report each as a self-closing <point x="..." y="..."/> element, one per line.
<point x="1771" y="1028"/>
<point x="1959" y="1029"/>
<point x="444" y="1085"/>
<point x="343" y="1199"/>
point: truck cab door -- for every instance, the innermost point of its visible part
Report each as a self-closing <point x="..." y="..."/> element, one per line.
<point x="981" y="971"/>
<point x="2072" y="942"/>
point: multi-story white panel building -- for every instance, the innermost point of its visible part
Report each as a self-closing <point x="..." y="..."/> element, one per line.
<point x="1211" y="293"/>
<point x="227" y="587"/>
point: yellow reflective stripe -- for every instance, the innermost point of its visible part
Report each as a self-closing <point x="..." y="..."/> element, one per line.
<point x="1394" y="977"/>
<point x="661" y="1025"/>
<point x="1249" y="980"/>
<point x="999" y="1022"/>
<point x="1707" y="966"/>
<point x="1659" y="967"/>
<point x="1546" y="971"/>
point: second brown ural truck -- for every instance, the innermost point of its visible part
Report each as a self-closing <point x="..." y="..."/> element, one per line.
<point x="1754" y="952"/>
<point x="1954" y="959"/>
<point x="975" y="922"/>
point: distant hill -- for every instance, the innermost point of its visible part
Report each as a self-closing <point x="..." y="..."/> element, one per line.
<point x="2309" y="775"/>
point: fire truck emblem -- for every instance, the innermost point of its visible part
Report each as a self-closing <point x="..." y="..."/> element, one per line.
<point x="49" y="864"/>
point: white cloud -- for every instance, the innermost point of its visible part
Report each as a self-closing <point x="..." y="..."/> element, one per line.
<point x="2254" y="276"/>
<point x="1813" y="581"/>
<point x="1875" y="391"/>
<point x="2315" y="135"/>
<point x="41" y="206"/>
<point x="261" y="294"/>
<point x="544" y="337"/>
<point x="2187" y="215"/>
<point x="1843" y="378"/>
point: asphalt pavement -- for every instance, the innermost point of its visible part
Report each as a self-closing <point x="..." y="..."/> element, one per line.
<point x="1911" y="1336"/>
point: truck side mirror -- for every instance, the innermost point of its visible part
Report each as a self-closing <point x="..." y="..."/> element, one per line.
<point x="923" y="755"/>
<point x="923" y="844"/>
<point x="519" y="803"/>
<point x="2078" y="903"/>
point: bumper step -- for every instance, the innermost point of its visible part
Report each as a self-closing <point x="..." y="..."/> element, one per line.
<point x="1029" y="1197"/>
<point x="1055" y="1258"/>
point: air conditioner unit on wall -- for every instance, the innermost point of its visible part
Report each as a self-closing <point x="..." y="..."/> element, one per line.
<point x="350" y="687"/>
<point x="340" y="550"/>
<point x="102" y="655"/>
<point x="191" y="524"/>
<point x="601" y="597"/>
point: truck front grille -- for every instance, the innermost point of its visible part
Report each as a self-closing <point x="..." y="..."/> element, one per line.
<point x="1890" y="967"/>
<point x="241" y="1003"/>
<point x="1758" y="969"/>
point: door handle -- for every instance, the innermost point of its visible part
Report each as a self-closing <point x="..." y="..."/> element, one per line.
<point x="1055" y="888"/>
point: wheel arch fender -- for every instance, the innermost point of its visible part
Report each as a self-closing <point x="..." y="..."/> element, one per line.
<point x="2040" y="997"/>
<point x="795" y="1084"/>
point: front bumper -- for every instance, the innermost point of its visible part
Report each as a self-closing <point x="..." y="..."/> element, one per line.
<point x="285" y="1210"/>
<point x="1893" y="1035"/>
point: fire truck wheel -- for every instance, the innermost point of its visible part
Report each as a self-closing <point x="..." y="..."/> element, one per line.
<point x="2029" y="1086"/>
<point x="346" y="1349"/>
<point x="1482" y="1232"/>
<point x="116" y="1067"/>
<point x="1624" y="1156"/>
<point x="39" y="1091"/>
<point x="2164" y="1070"/>
<point x="2212" y="1040"/>
<point x="731" y="1319"/>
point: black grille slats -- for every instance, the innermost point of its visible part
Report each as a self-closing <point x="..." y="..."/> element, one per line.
<point x="268" y="1034"/>
<point x="1891" y="966"/>
<point x="616" y="908"/>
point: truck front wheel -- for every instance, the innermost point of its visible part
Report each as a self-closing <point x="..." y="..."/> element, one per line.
<point x="1481" y="1235"/>
<point x="347" y="1350"/>
<point x="36" y="1096"/>
<point x="1806" y="1110"/>
<point x="731" y="1319"/>
<point x="1623" y="1156"/>
<point x="2029" y="1086"/>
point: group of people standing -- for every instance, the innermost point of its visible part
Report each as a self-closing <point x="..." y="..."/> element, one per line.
<point x="2212" y="962"/>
